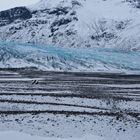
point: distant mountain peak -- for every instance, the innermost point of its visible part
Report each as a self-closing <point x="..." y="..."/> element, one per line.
<point x="47" y="4"/>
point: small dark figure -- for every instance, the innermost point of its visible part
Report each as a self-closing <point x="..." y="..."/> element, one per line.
<point x="35" y="82"/>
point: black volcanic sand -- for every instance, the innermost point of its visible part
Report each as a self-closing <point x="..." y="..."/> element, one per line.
<point x="28" y="95"/>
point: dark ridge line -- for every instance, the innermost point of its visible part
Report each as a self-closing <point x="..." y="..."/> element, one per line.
<point x="81" y="81"/>
<point x="97" y="88"/>
<point x="102" y="82"/>
<point x="29" y="72"/>
<point x="85" y="80"/>
<point x="83" y="96"/>
<point x="68" y="113"/>
<point x="47" y="103"/>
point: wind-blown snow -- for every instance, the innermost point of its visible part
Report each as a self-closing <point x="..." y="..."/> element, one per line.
<point x="68" y="59"/>
<point x="15" y="136"/>
<point x="11" y="135"/>
<point x="43" y="4"/>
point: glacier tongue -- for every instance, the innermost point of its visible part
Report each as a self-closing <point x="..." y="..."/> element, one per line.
<point x="67" y="59"/>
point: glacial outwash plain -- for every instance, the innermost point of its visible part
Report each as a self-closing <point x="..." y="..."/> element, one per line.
<point x="70" y="70"/>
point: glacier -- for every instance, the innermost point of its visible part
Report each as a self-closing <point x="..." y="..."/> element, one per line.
<point x="55" y="58"/>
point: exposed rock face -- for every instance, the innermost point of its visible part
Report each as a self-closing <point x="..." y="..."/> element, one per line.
<point x="9" y="16"/>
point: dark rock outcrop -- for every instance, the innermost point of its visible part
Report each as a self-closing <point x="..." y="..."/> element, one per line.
<point x="8" y="16"/>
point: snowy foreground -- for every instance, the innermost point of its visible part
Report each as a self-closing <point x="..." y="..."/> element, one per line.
<point x="21" y="136"/>
<point x="16" y="136"/>
<point x="69" y="105"/>
<point x="52" y="58"/>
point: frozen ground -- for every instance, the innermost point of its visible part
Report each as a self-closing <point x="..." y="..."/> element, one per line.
<point x="65" y="105"/>
<point x="16" y="136"/>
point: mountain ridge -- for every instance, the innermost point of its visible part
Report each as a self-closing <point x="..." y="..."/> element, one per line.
<point x="78" y="23"/>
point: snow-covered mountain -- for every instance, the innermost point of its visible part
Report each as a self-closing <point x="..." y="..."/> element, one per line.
<point x="74" y="23"/>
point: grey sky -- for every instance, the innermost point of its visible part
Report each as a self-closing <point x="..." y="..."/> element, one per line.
<point x="6" y="4"/>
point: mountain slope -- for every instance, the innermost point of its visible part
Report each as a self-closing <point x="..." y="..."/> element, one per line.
<point x="77" y="23"/>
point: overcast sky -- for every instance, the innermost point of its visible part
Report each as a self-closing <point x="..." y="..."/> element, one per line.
<point x="6" y="4"/>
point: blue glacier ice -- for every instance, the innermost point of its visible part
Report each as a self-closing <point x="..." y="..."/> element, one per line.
<point x="68" y="59"/>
